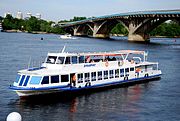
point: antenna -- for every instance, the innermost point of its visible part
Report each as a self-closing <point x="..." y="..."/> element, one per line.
<point x="63" y="49"/>
<point x="29" y="62"/>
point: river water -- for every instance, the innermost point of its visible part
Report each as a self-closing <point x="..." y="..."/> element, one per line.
<point x="153" y="101"/>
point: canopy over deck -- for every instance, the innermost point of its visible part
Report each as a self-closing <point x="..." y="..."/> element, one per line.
<point x="113" y="53"/>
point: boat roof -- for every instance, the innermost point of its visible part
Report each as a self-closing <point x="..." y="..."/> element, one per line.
<point x="112" y="53"/>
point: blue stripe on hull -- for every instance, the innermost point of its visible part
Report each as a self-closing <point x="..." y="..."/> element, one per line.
<point x="26" y="81"/>
<point x="40" y="88"/>
<point x="67" y="87"/>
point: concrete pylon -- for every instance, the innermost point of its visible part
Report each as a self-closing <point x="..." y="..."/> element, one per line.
<point x="133" y="35"/>
<point x="79" y="30"/>
<point x="98" y="31"/>
<point x="138" y="37"/>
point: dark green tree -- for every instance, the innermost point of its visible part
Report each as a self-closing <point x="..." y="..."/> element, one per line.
<point x="1" y="18"/>
<point x="170" y="29"/>
<point x="119" y="29"/>
<point x="8" y="22"/>
<point x="57" y="30"/>
<point x="32" y="24"/>
<point x="77" y="18"/>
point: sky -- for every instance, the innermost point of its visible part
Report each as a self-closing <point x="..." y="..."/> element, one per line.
<point x="56" y="10"/>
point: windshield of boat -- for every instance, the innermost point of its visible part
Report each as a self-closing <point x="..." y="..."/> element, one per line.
<point x="60" y="60"/>
<point x="51" y="59"/>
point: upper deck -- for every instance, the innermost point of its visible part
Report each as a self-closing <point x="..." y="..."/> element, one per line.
<point x="65" y="62"/>
<point x="74" y="58"/>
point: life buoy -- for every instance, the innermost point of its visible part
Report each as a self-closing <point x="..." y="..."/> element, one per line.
<point x="74" y="78"/>
<point x="121" y="62"/>
<point x="138" y="69"/>
<point x="132" y="61"/>
<point x="106" y="64"/>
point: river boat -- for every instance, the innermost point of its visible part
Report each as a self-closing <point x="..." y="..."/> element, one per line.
<point x="69" y="72"/>
<point x="66" y="36"/>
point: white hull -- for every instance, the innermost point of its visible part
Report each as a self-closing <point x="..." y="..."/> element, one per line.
<point x="66" y="37"/>
<point x="74" y="72"/>
<point x="27" y="93"/>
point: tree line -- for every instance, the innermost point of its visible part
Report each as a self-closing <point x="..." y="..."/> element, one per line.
<point x="170" y="29"/>
<point x="32" y="24"/>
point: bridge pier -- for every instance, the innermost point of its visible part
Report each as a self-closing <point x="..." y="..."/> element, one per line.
<point x="101" y="35"/>
<point x="80" y="30"/>
<point x="99" y="31"/>
<point x="138" y="38"/>
<point x="81" y="33"/>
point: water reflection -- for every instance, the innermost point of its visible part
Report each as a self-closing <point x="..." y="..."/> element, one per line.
<point x="73" y="106"/>
<point x="114" y="102"/>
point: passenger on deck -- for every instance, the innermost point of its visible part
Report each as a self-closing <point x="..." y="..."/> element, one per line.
<point x="107" y="59"/>
<point x="113" y="59"/>
<point x="92" y="61"/>
<point x="88" y="59"/>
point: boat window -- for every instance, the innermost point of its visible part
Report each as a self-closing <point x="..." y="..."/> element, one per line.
<point x="51" y="59"/>
<point x="99" y="75"/>
<point x="55" y="79"/>
<point x="127" y="70"/>
<point x="26" y="81"/>
<point x="22" y="79"/>
<point x="80" y="78"/>
<point x="117" y="73"/>
<point x="35" y="80"/>
<point x="67" y="60"/>
<point x="60" y="60"/>
<point x="122" y="72"/>
<point x="64" y="78"/>
<point x="74" y="60"/>
<point x="110" y="58"/>
<point x="154" y="67"/>
<point x="105" y="74"/>
<point x="17" y="78"/>
<point x="93" y="76"/>
<point x="87" y="77"/>
<point x="131" y="69"/>
<point x="45" y="80"/>
<point x="81" y="59"/>
<point x="111" y="74"/>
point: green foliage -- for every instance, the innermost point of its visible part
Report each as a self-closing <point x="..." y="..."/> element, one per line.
<point x="119" y="29"/>
<point x="31" y="25"/>
<point x="57" y="30"/>
<point x="8" y="22"/>
<point x="171" y="29"/>
<point x="1" y="18"/>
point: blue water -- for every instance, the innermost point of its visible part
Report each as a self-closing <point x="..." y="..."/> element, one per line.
<point x="153" y="101"/>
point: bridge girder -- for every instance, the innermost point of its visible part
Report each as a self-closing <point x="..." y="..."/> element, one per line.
<point x="138" y="25"/>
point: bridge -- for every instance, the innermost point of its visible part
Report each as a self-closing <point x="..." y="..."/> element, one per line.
<point x="138" y="24"/>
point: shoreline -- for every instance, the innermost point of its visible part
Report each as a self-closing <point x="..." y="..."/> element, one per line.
<point x="121" y="35"/>
<point x="116" y="35"/>
<point x="19" y="31"/>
